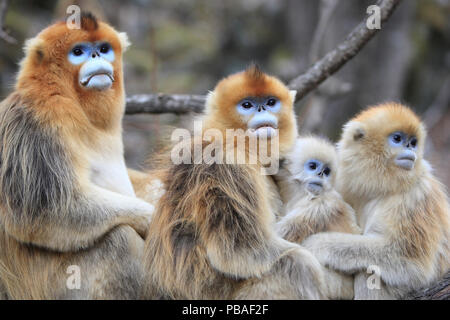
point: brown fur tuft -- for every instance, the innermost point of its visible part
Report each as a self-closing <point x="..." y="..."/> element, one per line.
<point x="88" y="21"/>
<point x="254" y="73"/>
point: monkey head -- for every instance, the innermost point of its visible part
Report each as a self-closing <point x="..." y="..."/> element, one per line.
<point x="82" y="64"/>
<point x="311" y="164"/>
<point x="381" y="149"/>
<point x="254" y="101"/>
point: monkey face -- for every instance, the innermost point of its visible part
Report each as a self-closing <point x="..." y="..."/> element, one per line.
<point x="313" y="175"/>
<point x="84" y="60"/>
<point x="316" y="175"/>
<point x="260" y="114"/>
<point x="254" y="101"/>
<point x="96" y="70"/>
<point x="381" y="150"/>
<point x="403" y="147"/>
<point x="311" y="164"/>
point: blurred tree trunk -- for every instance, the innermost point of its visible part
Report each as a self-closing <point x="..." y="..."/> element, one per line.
<point x="389" y="54"/>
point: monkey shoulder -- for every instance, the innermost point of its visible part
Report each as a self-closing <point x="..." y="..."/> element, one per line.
<point x="26" y="143"/>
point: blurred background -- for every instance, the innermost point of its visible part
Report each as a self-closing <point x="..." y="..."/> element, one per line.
<point x="186" y="46"/>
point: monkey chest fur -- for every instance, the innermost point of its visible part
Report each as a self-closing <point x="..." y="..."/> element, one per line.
<point x="111" y="173"/>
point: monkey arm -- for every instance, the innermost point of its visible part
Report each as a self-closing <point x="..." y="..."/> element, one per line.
<point x="238" y="239"/>
<point x="147" y="186"/>
<point x="226" y="209"/>
<point x="42" y="200"/>
<point x="139" y="180"/>
<point x="82" y="222"/>
<point x="352" y="253"/>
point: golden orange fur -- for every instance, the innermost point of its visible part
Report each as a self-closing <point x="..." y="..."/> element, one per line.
<point x="64" y="190"/>
<point x="213" y="227"/>
<point x="404" y="213"/>
<point x="307" y="213"/>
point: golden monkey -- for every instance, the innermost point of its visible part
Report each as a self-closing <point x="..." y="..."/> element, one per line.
<point x="306" y="181"/>
<point x="400" y="206"/>
<point x="213" y="227"/>
<point x="65" y="196"/>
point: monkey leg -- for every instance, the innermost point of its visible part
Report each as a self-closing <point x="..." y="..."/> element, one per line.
<point x="338" y="285"/>
<point x="109" y="270"/>
<point x="365" y="291"/>
<point x="296" y="275"/>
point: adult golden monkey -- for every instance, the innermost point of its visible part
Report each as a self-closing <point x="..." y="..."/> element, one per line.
<point x="212" y="234"/>
<point x="65" y="196"/>
<point x="400" y="206"/>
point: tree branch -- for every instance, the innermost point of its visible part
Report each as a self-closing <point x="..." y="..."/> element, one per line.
<point x="305" y="83"/>
<point x="165" y="103"/>
<point x="3" y="34"/>
<point x="438" y="291"/>
<point x="345" y="51"/>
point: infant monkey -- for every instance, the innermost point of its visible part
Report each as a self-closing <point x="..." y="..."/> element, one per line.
<point x="311" y="204"/>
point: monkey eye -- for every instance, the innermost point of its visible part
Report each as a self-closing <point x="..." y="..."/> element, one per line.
<point x="77" y="51"/>
<point x="104" y="48"/>
<point x="396" y="138"/>
<point x="247" y="105"/>
<point x="312" y="165"/>
<point x="327" y="171"/>
<point x="271" y="102"/>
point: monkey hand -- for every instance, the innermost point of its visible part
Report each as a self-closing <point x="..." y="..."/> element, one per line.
<point x="344" y="252"/>
<point x="321" y="246"/>
<point x="141" y="218"/>
<point x="154" y="191"/>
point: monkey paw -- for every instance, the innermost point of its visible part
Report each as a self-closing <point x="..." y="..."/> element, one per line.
<point x="320" y="246"/>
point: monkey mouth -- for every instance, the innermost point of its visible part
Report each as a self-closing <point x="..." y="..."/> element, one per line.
<point x="264" y="129"/>
<point x="96" y="75"/>
<point x="314" y="186"/>
<point x="101" y="76"/>
<point x="265" y="125"/>
<point x="406" y="161"/>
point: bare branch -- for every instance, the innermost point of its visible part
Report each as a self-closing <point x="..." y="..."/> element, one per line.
<point x="304" y="84"/>
<point x="438" y="291"/>
<point x="3" y="34"/>
<point x="165" y="103"/>
<point x="345" y="51"/>
<point x="327" y="8"/>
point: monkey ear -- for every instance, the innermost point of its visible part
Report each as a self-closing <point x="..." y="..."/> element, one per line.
<point x="358" y="134"/>
<point x="210" y="101"/>
<point x="34" y="48"/>
<point x="355" y="129"/>
<point x="293" y="94"/>
<point x="124" y="42"/>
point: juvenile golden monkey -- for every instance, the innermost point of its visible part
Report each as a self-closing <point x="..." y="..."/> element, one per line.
<point x="212" y="231"/>
<point x="401" y="207"/>
<point x="65" y="196"/>
<point x="311" y="203"/>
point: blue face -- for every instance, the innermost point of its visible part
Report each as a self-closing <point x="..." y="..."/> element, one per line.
<point x="253" y="105"/>
<point x="260" y="114"/>
<point x="400" y="139"/>
<point x="317" y="174"/>
<point x="81" y="52"/>
<point x="96" y="71"/>
<point x="405" y="147"/>
<point x="317" y="168"/>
